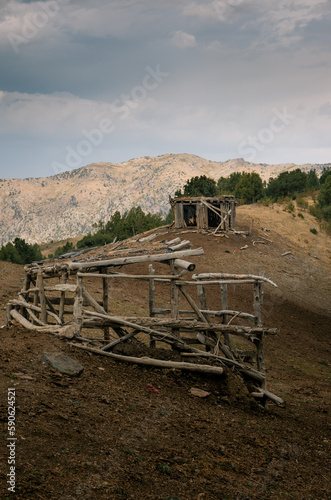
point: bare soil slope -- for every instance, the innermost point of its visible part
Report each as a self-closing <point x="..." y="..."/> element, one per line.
<point x="107" y="435"/>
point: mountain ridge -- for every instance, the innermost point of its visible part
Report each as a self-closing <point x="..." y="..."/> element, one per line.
<point x="69" y="203"/>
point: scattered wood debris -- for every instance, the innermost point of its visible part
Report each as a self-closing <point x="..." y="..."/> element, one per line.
<point x="286" y="253"/>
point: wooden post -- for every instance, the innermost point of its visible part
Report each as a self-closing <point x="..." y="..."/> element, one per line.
<point x="78" y="306"/>
<point x="152" y="342"/>
<point x="233" y="215"/>
<point x="26" y="286"/>
<point x="63" y="295"/>
<point x="105" y="298"/>
<point x="174" y="299"/>
<point x="40" y="286"/>
<point x="258" y="300"/>
<point x="202" y="299"/>
<point x="257" y="303"/>
<point x="224" y="295"/>
<point x="8" y="315"/>
<point x="179" y="215"/>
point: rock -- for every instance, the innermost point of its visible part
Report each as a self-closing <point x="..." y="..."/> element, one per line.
<point x="198" y="392"/>
<point x="62" y="363"/>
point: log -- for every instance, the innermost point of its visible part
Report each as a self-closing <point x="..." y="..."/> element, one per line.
<point x="214" y="209"/>
<point x="217" y="282"/>
<point x="249" y="372"/>
<point x="64" y="331"/>
<point x="133" y="260"/>
<point x="232" y="276"/>
<point x="92" y="302"/>
<point x="164" y="337"/>
<point x="246" y="332"/>
<point x="54" y="288"/>
<point x="229" y="312"/>
<point x="159" y="310"/>
<point x="183" y="264"/>
<point x="148" y="238"/>
<point x="32" y="307"/>
<point x="225" y="350"/>
<point x="263" y="393"/>
<point x="175" y="241"/>
<point x="259" y="241"/>
<point x="36" y="320"/>
<point x="183" y="244"/>
<point x="192" y="304"/>
<point x="146" y="277"/>
<point x="30" y="326"/>
<point x="156" y="362"/>
<point x="126" y="337"/>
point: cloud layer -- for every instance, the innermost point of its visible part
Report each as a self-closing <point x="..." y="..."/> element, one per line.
<point x="196" y="76"/>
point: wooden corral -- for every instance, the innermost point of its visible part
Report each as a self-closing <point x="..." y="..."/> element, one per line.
<point x="218" y="212"/>
<point x="55" y="298"/>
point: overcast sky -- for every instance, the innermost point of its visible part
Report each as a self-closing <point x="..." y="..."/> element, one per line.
<point x="108" y="80"/>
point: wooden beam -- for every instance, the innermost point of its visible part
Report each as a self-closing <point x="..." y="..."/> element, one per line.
<point x="137" y="259"/>
<point x="156" y="362"/>
<point x="203" y="276"/>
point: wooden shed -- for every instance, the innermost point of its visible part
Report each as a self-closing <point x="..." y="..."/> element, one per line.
<point x="217" y="212"/>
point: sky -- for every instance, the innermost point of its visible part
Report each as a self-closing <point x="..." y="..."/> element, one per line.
<point x="110" y="80"/>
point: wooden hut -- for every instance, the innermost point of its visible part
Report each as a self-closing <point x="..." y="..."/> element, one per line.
<point x="217" y="212"/>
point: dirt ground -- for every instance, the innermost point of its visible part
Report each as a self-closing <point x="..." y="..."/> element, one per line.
<point x="107" y="434"/>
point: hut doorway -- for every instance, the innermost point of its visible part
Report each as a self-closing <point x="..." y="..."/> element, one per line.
<point x="190" y="215"/>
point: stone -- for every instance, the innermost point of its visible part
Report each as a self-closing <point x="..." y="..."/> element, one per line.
<point x="63" y="363"/>
<point x="199" y="392"/>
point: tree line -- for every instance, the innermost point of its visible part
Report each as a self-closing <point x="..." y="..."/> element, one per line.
<point x="249" y="188"/>
<point x="20" y="252"/>
<point x="123" y="226"/>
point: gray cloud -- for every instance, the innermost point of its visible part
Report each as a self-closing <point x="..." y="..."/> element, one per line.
<point x="230" y="63"/>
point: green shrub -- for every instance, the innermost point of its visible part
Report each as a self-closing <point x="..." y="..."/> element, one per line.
<point x="199" y="186"/>
<point x="313" y="230"/>
<point x="290" y="207"/>
<point x="124" y="226"/>
<point x="302" y="203"/>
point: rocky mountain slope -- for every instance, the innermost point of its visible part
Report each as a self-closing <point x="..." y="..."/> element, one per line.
<point x="67" y="204"/>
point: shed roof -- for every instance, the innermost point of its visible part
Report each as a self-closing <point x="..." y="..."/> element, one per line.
<point x="208" y="199"/>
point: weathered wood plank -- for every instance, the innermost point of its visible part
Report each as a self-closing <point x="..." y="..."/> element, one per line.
<point x="133" y="260"/>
